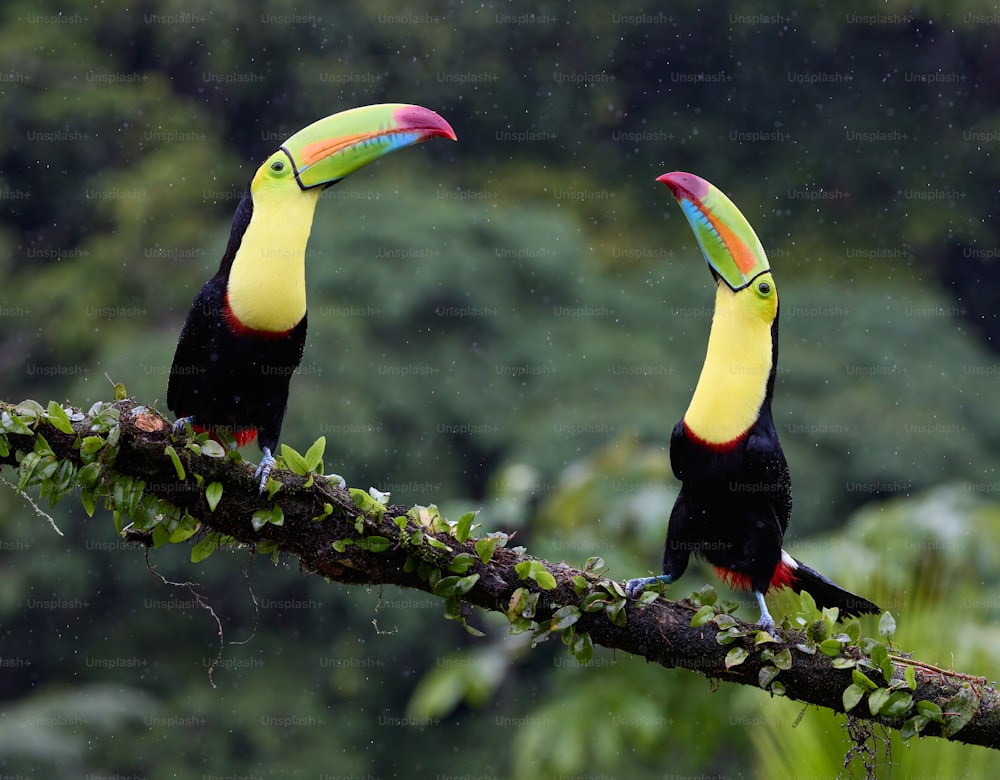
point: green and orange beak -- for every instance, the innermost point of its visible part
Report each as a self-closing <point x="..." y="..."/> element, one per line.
<point x="730" y="246"/>
<point x="331" y="148"/>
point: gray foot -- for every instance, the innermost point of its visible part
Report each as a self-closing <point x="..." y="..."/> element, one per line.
<point x="635" y="587"/>
<point x="264" y="469"/>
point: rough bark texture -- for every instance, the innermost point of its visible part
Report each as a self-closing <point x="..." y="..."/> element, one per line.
<point x="660" y="632"/>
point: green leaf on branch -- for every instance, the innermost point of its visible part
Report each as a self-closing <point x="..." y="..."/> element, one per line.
<point x="594" y="565"/>
<point x="783" y="659"/>
<point x="767" y="675"/>
<point x="736" y="656"/>
<point x="212" y="449"/>
<point x="29" y="409"/>
<point x="274" y="515"/>
<point x="89" y="499"/>
<point x="594" y="602"/>
<point x="213" y="494"/>
<point x="853" y="631"/>
<point x="853" y="694"/>
<point x="706" y="596"/>
<point x="887" y="625"/>
<point x="564" y="617"/>
<point x="314" y="455"/>
<point x="485" y="548"/>
<point x="367" y="502"/>
<point x="464" y="526"/>
<point x="877" y="699"/>
<point x="616" y="612"/>
<point x="730" y="635"/>
<point x="831" y="647"/>
<point x="455" y="586"/>
<point x="380" y="496"/>
<point x="930" y="710"/>
<point x="724" y="621"/>
<point x="514" y="606"/>
<point x="187" y="528"/>
<point x="58" y="418"/>
<point x="817" y="630"/>
<point x="204" y="548"/>
<point x="176" y="460"/>
<point x="703" y="616"/>
<point x="461" y="563"/>
<point x="436" y="543"/>
<point x="42" y="448"/>
<point x="913" y="727"/>
<point x="160" y="536"/>
<point x="375" y="544"/>
<point x="961" y="707"/>
<point x="453" y="611"/>
<point x="327" y="511"/>
<point x="897" y="705"/>
<point x="535" y="570"/>
<point x="91" y="445"/>
<point x="862" y="680"/>
<point x="11" y="423"/>
<point x="582" y="648"/>
<point x="880" y="657"/>
<point x="294" y="461"/>
<point x="126" y="494"/>
<point x="521" y="610"/>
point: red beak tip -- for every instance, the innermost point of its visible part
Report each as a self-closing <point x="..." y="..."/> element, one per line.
<point x="429" y="122"/>
<point x="685" y="185"/>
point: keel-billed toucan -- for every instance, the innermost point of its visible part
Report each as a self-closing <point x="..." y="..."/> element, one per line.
<point x="736" y="495"/>
<point x="244" y="336"/>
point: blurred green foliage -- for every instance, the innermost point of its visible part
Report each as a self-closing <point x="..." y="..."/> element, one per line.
<point x="512" y="323"/>
<point x="941" y="560"/>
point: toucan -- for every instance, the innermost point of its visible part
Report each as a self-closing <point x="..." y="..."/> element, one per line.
<point x="244" y="336"/>
<point x="736" y="495"/>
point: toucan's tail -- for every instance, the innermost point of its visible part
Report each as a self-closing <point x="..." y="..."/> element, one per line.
<point x="826" y="593"/>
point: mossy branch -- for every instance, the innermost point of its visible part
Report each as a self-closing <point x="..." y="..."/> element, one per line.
<point x="164" y="489"/>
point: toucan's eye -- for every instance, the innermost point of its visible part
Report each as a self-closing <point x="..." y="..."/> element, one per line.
<point x="277" y="166"/>
<point x="764" y="288"/>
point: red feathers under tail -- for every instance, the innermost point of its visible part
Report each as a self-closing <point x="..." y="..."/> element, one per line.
<point x="243" y="436"/>
<point x="783" y="577"/>
<point x="794" y="574"/>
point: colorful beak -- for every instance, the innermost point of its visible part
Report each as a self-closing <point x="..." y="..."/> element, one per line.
<point x="731" y="248"/>
<point x="329" y="149"/>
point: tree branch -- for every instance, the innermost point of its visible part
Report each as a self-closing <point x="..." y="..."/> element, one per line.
<point x="348" y="536"/>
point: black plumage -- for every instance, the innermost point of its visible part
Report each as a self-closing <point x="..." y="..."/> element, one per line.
<point x="735" y="502"/>
<point x="733" y="510"/>
<point x="227" y="376"/>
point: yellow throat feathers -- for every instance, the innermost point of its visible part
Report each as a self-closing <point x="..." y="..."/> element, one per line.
<point x="733" y="381"/>
<point x="267" y="282"/>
